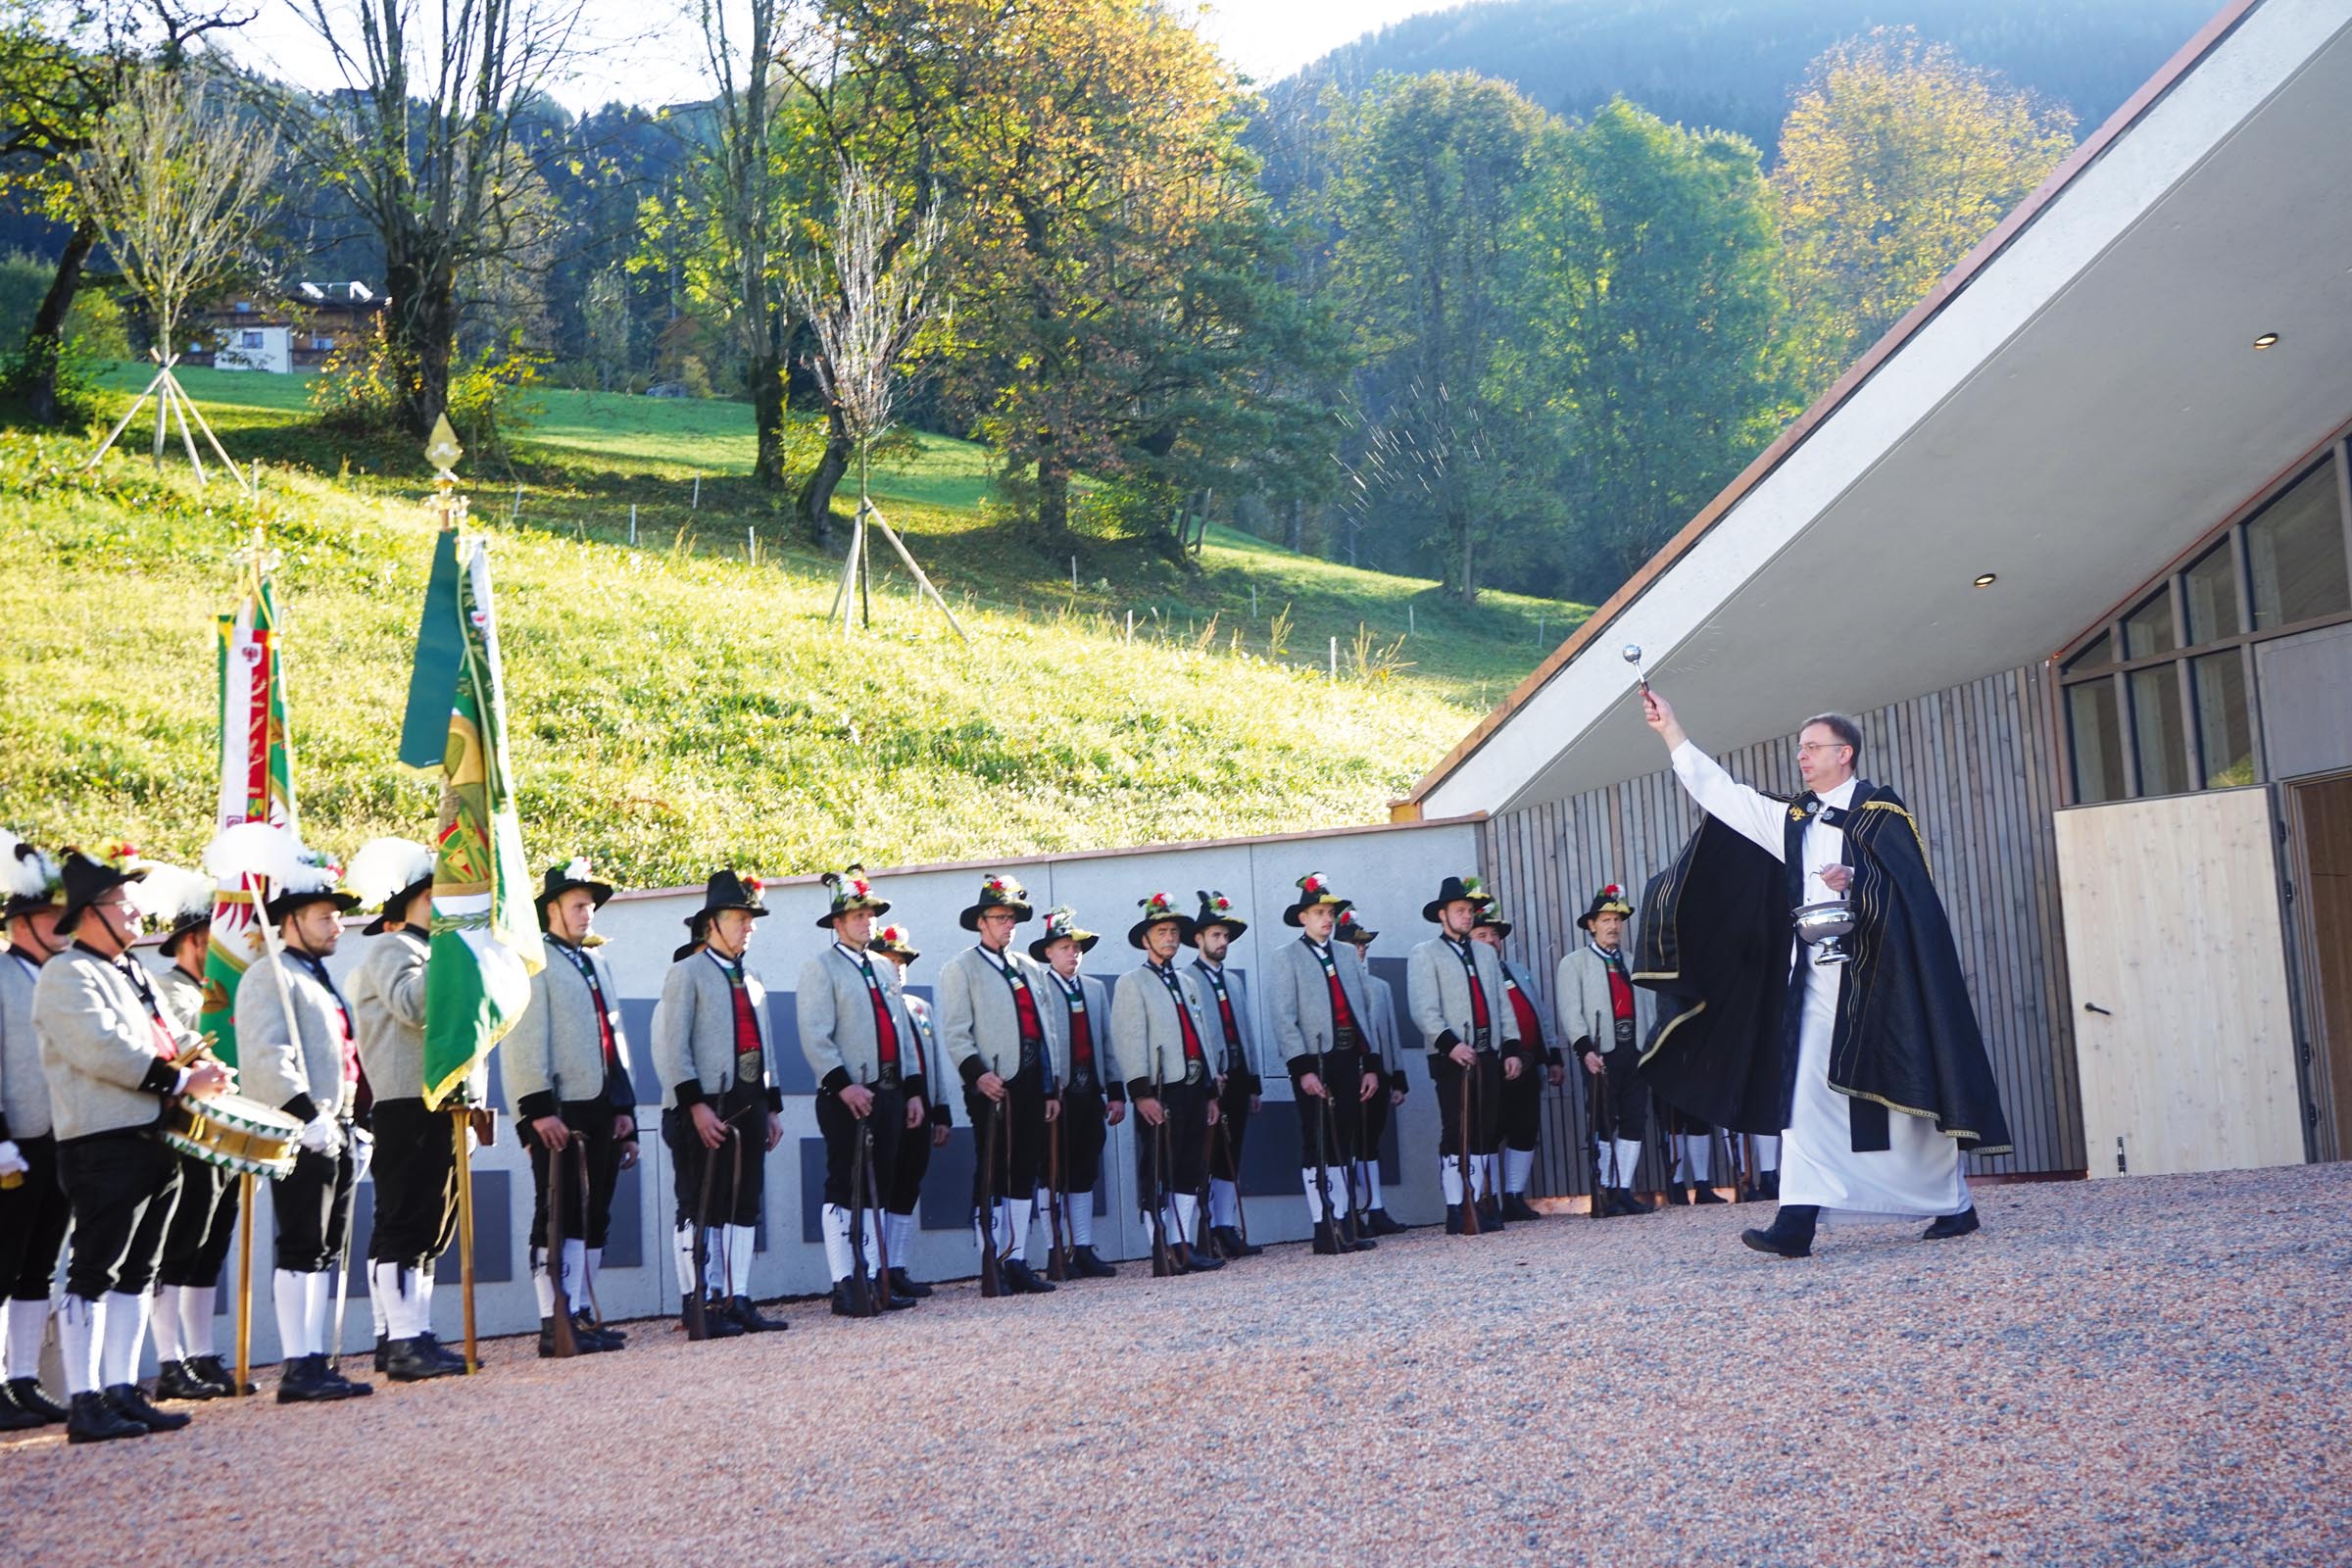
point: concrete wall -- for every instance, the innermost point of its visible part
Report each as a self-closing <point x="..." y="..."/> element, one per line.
<point x="1390" y="870"/>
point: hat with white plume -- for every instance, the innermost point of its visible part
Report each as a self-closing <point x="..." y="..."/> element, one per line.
<point x="292" y="875"/>
<point x="28" y="876"/>
<point x="385" y="874"/>
<point x="176" y="900"/>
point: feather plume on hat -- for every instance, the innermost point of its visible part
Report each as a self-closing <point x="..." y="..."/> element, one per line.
<point x="170" y="894"/>
<point x="265" y="850"/>
<point x="384" y="868"/>
<point x="25" y="872"/>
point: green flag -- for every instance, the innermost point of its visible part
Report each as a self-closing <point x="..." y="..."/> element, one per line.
<point x="485" y="943"/>
<point x="257" y="785"/>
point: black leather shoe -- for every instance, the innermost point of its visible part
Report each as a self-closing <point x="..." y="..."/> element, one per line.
<point x="415" y="1361"/>
<point x="208" y="1368"/>
<point x="1703" y="1194"/>
<point x="582" y="1322"/>
<point x="126" y="1400"/>
<point x="92" y="1420"/>
<point x="742" y="1311"/>
<point x="718" y="1322"/>
<point x="1355" y="1241"/>
<point x="585" y="1341"/>
<point x="299" y="1382"/>
<point x="1229" y="1241"/>
<point x="453" y="1359"/>
<point x="1951" y="1225"/>
<point x="25" y="1395"/>
<point x="1453" y="1219"/>
<point x="1377" y="1221"/>
<point x="384" y="1353"/>
<point x="1021" y="1280"/>
<point x="1769" y="1184"/>
<point x="13" y="1419"/>
<point x="1327" y="1242"/>
<point x="1200" y="1261"/>
<point x="1489" y="1216"/>
<point x="1515" y="1207"/>
<point x="904" y="1283"/>
<point x="848" y="1303"/>
<point x="179" y="1380"/>
<point x="1089" y="1264"/>
<point x="1623" y="1202"/>
<point x="352" y="1387"/>
<point x="1677" y="1195"/>
<point x="1790" y="1234"/>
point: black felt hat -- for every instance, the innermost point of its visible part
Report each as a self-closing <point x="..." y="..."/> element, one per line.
<point x="1215" y="909"/>
<point x="729" y="891"/>
<point x="86" y="879"/>
<point x="996" y="892"/>
<point x="896" y="942"/>
<point x="1455" y="888"/>
<point x="562" y="879"/>
<point x="697" y="931"/>
<point x="1314" y="888"/>
<point x="1349" y="931"/>
<point x="1489" y="919"/>
<point x="851" y="890"/>
<point x="30" y="877"/>
<point x="1158" y="909"/>
<point x="1610" y="900"/>
<point x="1062" y="921"/>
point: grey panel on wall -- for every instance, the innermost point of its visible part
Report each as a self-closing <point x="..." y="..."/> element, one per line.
<point x="2306" y="721"/>
<point x="493" y="1221"/>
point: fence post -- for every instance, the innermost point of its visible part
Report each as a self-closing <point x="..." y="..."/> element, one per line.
<point x="1335" y="659"/>
<point x="632" y="525"/>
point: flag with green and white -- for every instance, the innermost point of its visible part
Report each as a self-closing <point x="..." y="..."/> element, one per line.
<point x="485" y="942"/>
<point x="257" y="783"/>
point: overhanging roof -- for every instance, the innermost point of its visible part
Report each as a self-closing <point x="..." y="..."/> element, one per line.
<point x="2071" y="405"/>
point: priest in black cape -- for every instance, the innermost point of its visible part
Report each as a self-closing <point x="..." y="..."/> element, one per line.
<point x="1873" y="1071"/>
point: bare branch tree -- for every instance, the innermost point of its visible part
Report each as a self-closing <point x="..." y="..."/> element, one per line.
<point x="179" y="188"/>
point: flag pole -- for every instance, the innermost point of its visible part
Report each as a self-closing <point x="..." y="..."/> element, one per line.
<point x="247" y="1189"/>
<point x="459" y="1119"/>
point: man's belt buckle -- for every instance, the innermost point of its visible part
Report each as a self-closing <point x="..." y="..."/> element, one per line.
<point x="749" y="1068"/>
<point x="1195" y="1070"/>
<point x="1082" y="1079"/>
<point x="1625" y="1031"/>
<point x="888" y="1076"/>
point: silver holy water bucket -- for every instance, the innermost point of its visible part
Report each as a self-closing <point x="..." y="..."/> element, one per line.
<point x="1824" y="926"/>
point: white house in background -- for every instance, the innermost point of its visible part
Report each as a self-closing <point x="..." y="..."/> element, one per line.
<point x="296" y="329"/>
<point x="256" y="348"/>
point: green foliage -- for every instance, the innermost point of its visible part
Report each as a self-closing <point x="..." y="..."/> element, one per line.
<point x="364" y="389"/>
<point x="96" y="332"/>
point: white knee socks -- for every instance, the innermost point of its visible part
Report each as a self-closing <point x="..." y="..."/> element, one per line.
<point x="27" y="1322"/>
<point x="1224" y="1203"/>
<point x="1518" y="1165"/>
<point x="1187" y="1219"/>
<point x="80" y="1336"/>
<point x="841" y="1259"/>
<point x="1082" y="1220"/>
<point x="125" y="1338"/>
<point x="682" y="1251"/>
<point x="290" y="1298"/>
<point x="900" y="1228"/>
<point x="742" y="1241"/>
<point x="1698" y="1155"/>
<point x="163" y="1318"/>
<point x="317" y="1305"/>
<point x="1016" y="1229"/>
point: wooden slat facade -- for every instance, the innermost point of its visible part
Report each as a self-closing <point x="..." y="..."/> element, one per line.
<point x="1976" y="764"/>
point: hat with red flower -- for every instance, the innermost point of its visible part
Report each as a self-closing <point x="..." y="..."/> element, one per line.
<point x="1610" y="900"/>
<point x="1062" y="921"/>
<point x="1454" y="890"/>
<point x="729" y="890"/>
<point x="996" y="892"/>
<point x="1216" y="910"/>
<point x="896" y="942"/>
<point x="1158" y="909"/>
<point x="851" y="890"/>
<point x="1314" y="888"/>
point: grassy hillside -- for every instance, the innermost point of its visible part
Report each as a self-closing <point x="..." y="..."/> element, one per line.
<point x="681" y="704"/>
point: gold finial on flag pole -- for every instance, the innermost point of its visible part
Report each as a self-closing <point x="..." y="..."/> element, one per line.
<point x="443" y="452"/>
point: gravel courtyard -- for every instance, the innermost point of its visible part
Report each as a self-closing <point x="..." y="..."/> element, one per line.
<point x="2128" y="1372"/>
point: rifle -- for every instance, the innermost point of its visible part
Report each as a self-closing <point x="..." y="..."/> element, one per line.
<point x="1164" y="1262"/>
<point x="566" y="1344"/>
<point x="1233" y="1174"/>
<point x="1594" y="1089"/>
<point x="596" y="1314"/>
<point x="1608" y="1113"/>
<point x="696" y="1328"/>
<point x="992" y="1133"/>
<point x="873" y="1192"/>
<point x="1744" y="1147"/>
<point x="861" y="1193"/>
<point x="1057" y="1255"/>
<point x="1469" y="1086"/>
<point x="343" y="1255"/>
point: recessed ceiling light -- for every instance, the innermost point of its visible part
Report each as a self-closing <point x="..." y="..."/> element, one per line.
<point x="2267" y="340"/>
<point x="1984" y="579"/>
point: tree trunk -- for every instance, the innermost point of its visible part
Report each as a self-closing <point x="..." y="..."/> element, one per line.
<point x="1294" y="536"/>
<point x="45" y="344"/>
<point x="420" y="328"/>
<point x="1053" y="488"/>
<point x="764" y="379"/>
<point x="1467" y="538"/>
<point x="815" y="500"/>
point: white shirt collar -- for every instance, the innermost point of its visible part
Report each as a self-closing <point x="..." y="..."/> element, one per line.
<point x="848" y="953"/>
<point x="1843" y="796"/>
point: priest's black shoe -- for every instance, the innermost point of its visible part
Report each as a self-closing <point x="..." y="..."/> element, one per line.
<point x="25" y="1395"/>
<point x="1022" y="1279"/>
<point x="181" y="1380"/>
<point x="849" y="1301"/>
<point x="1377" y="1221"/>
<point x="1703" y="1194"/>
<point x="91" y="1419"/>
<point x="1085" y="1259"/>
<point x="1790" y="1234"/>
<point x="1453" y="1219"/>
<point x="1229" y="1241"/>
<point x="1515" y="1207"/>
<point x="126" y="1400"/>
<point x="1951" y="1225"/>
<point x="746" y="1313"/>
<point x="905" y="1284"/>
<point x="208" y="1368"/>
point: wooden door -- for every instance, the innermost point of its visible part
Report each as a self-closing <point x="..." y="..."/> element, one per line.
<point x="2323" y="818"/>
<point x="2184" y="1032"/>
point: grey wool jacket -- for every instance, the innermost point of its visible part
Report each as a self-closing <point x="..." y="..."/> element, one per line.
<point x="977" y="1020"/>
<point x="1146" y="1036"/>
<point x="555" y="1054"/>
<point x="1228" y="1057"/>
<point x="1056" y="1014"/>
<point x="183" y="994"/>
<point x="694" y="1033"/>
<point x="837" y="1020"/>
<point x="295" y="1063"/>
<point x="1382" y="997"/>
<point x="1300" y="1003"/>
<point x="935" y="1065"/>
<point x="388" y="1013"/>
<point x="1437" y="992"/>
<point x="24" y="1087"/>
<point x="1581" y="994"/>
<point x="98" y="1047"/>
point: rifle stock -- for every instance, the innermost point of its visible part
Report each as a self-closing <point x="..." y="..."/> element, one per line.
<point x="992" y="1280"/>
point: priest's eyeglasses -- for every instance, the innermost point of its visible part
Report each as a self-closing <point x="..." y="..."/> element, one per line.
<point x="1809" y="747"/>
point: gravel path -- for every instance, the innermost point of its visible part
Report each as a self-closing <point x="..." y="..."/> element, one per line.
<point x="2128" y="1372"/>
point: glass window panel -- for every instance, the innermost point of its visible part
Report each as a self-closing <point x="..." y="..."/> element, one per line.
<point x="2295" y="555"/>
<point x="2159" y="735"/>
<point x="2100" y="650"/>
<point x="2098" y="739"/>
<point x="2211" y="588"/>
<point x="2224" y="730"/>
<point x="2148" y="630"/>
